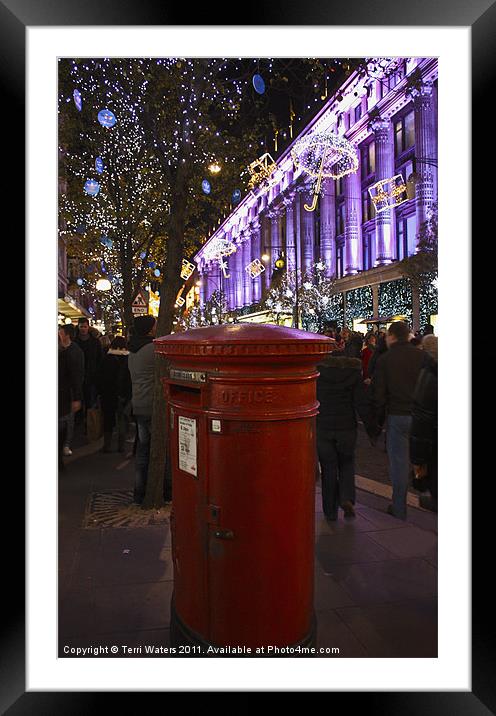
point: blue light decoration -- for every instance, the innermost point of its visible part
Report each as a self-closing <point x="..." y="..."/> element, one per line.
<point x="106" y="118"/>
<point x="258" y="84"/>
<point x="81" y="228"/>
<point x="92" y="187"/>
<point x="102" y="264"/>
<point x="142" y="254"/>
<point x="99" y="165"/>
<point x="236" y="196"/>
<point x="156" y="273"/>
<point x="106" y="242"/>
<point x="78" y="100"/>
<point x="152" y="264"/>
<point x="79" y="282"/>
<point x="206" y="186"/>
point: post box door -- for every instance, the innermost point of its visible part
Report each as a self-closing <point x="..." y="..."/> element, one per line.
<point x="260" y="578"/>
<point x="188" y="526"/>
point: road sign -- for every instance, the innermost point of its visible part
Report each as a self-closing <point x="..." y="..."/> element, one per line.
<point x="139" y="306"/>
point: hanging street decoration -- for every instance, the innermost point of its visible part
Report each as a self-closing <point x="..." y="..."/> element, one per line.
<point x="255" y="268"/>
<point x="187" y="269"/>
<point x="206" y="186"/>
<point x="217" y="250"/>
<point x="388" y="193"/>
<point x="258" y="84"/>
<point x="261" y="171"/>
<point x="106" y="118"/>
<point x="99" y="165"/>
<point x="180" y="301"/>
<point x="324" y="155"/>
<point x="236" y="196"/>
<point x="80" y="282"/>
<point x="92" y="187"/>
<point x="156" y="273"/>
<point x="78" y="100"/>
<point x="106" y="241"/>
<point x="143" y="255"/>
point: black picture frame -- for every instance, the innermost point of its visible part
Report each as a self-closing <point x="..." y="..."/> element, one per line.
<point x="15" y="17"/>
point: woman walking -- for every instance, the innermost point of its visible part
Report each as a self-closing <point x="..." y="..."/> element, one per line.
<point x="115" y="391"/>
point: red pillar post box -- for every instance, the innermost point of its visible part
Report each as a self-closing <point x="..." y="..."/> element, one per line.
<point x="241" y="403"/>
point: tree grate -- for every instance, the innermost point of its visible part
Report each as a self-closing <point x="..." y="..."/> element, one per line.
<point x="116" y="509"/>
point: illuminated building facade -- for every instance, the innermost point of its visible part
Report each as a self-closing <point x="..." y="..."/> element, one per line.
<point x="391" y="120"/>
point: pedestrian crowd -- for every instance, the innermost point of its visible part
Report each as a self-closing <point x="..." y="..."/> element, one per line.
<point x="388" y="380"/>
<point x="112" y="379"/>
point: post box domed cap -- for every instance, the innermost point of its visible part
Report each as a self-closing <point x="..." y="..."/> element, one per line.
<point x="244" y="339"/>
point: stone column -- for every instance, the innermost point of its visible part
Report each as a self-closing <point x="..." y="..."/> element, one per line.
<point x="425" y="151"/>
<point x="275" y="239"/>
<point x="353" y="222"/>
<point x="203" y="285"/>
<point x="256" y="253"/>
<point x="246" y="258"/>
<point x="308" y="231"/>
<point x="328" y="226"/>
<point x="291" y="261"/>
<point x="298" y="232"/>
<point x="384" y="169"/>
<point x="266" y="250"/>
<point x="237" y="276"/>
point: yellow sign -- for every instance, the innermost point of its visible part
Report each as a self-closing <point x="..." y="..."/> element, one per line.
<point x="153" y="304"/>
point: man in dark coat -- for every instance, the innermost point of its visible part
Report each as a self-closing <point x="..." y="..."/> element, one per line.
<point x="114" y="386"/>
<point x="341" y="394"/>
<point x="423" y="433"/>
<point x="93" y="354"/>
<point x="70" y="384"/>
<point x="392" y="389"/>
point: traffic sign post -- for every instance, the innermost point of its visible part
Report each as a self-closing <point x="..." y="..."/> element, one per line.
<point x="139" y="305"/>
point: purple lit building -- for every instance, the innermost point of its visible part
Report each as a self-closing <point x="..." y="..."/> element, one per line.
<point x="391" y="120"/>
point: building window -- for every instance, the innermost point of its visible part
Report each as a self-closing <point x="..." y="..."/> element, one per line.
<point x="340" y="210"/>
<point x="339" y="260"/>
<point x="358" y="112"/>
<point x="406" y="236"/>
<point x="368" y="160"/>
<point x="404" y="133"/>
<point x="368" y="244"/>
<point x="368" y="209"/>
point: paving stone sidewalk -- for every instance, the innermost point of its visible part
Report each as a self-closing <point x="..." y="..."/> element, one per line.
<point x="375" y="576"/>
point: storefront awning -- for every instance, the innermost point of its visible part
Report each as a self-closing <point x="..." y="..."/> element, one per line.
<point x="70" y="308"/>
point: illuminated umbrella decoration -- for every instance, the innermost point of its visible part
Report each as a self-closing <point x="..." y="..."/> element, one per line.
<point x="106" y="118"/>
<point x="99" y="165"/>
<point x="217" y="249"/>
<point x="92" y="187"/>
<point x="324" y="155"/>
<point x="78" y="100"/>
<point x="258" y="84"/>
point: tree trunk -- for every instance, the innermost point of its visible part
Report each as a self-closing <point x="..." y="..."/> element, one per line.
<point x="170" y="286"/>
<point x="127" y="286"/>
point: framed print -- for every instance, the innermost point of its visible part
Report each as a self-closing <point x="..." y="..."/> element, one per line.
<point x="48" y="76"/>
